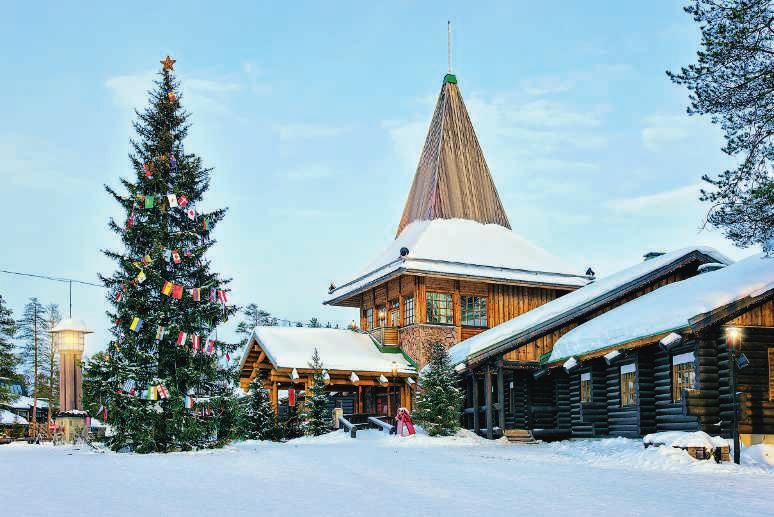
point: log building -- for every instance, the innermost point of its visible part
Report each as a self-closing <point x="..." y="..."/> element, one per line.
<point x="656" y="359"/>
<point x="455" y="268"/>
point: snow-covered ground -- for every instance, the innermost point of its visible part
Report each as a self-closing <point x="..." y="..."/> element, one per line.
<point x="380" y="475"/>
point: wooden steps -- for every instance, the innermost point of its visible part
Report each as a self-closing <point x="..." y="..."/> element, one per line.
<point x="520" y="436"/>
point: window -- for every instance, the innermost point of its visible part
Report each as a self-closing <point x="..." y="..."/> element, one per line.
<point x="628" y="385"/>
<point x="408" y="311"/>
<point x="394" y="312"/>
<point x="473" y="311"/>
<point x="369" y="319"/>
<point x="439" y="308"/>
<point x="382" y="313"/>
<point x="683" y="374"/>
<point x="585" y="387"/>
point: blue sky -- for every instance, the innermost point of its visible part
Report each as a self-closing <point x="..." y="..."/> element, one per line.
<point x="313" y="115"/>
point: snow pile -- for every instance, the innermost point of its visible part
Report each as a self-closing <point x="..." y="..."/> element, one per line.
<point x="667" y="309"/>
<point x="292" y="347"/>
<point x="8" y="418"/>
<point x="760" y="454"/>
<point x="25" y="402"/>
<point x="584" y="297"/>
<point x="685" y="439"/>
<point x="465" y="247"/>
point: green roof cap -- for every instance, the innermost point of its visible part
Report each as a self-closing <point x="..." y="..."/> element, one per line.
<point x="450" y="78"/>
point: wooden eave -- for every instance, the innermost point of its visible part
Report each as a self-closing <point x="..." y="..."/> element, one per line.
<point x="626" y="345"/>
<point x="353" y="298"/>
<point x="512" y="342"/>
<point x="708" y="320"/>
<point x="256" y="359"/>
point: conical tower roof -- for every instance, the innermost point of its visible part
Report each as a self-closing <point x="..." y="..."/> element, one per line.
<point x="452" y="178"/>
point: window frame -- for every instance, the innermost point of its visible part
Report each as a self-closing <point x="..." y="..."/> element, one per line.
<point x="586" y="388"/>
<point x="381" y="315"/>
<point x="393" y="312"/>
<point x="477" y="305"/>
<point x="409" y="310"/>
<point x="369" y="318"/>
<point x="688" y="367"/>
<point x="632" y="398"/>
<point x="444" y="312"/>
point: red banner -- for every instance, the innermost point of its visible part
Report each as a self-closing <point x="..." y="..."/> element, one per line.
<point x="291" y="397"/>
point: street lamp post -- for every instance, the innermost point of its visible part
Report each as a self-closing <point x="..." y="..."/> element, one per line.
<point x="734" y="344"/>
<point x="70" y="341"/>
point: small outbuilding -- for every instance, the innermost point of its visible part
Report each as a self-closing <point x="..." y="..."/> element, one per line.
<point x="360" y="372"/>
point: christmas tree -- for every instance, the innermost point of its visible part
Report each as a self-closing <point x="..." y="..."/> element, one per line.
<point x="8" y="359"/>
<point x="259" y="420"/>
<point x="439" y="400"/>
<point x="317" y="418"/>
<point x="166" y="381"/>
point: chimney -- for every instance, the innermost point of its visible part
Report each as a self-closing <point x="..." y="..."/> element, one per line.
<point x="652" y="254"/>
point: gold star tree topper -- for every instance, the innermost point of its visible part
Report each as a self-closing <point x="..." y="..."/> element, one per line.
<point x="168" y="63"/>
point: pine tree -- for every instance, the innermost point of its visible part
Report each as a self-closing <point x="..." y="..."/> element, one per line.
<point x="8" y="359"/>
<point x="164" y="287"/>
<point x="439" y="399"/>
<point x="32" y="330"/>
<point x="51" y="366"/>
<point x="732" y="81"/>
<point x="314" y="323"/>
<point x="317" y="418"/>
<point x="260" y="421"/>
<point x="254" y="316"/>
<point x="290" y="423"/>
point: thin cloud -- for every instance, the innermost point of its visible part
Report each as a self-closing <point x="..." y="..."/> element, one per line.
<point x="680" y="196"/>
<point x="305" y="131"/>
<point x="660" y="131"/>
<point x="131" y="91"/>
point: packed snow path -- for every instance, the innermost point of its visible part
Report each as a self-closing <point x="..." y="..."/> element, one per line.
<point x="381" y="475"/>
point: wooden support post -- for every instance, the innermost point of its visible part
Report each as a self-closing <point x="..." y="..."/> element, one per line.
<point x="275" y="397"/>
<point x="359" y="399"/>
<point x="488" y="402"/>
<point x="476" y="416"/>
<point x="501" y="396"/>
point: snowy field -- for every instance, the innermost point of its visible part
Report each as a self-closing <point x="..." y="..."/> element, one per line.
<point x="380" y="475"/>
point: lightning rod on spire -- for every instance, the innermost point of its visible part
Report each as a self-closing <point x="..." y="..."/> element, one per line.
<point x="449" y="43"/>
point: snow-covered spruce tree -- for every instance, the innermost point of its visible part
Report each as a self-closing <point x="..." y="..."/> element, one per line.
<point x="439" y="399"/>
<point x="166" y="386"/>
<point x="8" y="359"/>
<point x="317" y="419"/>
<point x="259" y="421"/>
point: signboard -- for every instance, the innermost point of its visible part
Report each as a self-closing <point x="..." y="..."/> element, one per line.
<point x="292" y="397"/>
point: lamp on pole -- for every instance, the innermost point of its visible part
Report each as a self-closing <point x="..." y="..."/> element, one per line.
<point x="734" y="345"/>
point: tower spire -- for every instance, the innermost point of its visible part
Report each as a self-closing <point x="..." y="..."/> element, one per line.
<point x="449" y="43"/>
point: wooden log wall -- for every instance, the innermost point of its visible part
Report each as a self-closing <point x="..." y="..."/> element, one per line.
<point x="589" y="419"/>
<point x="670" y="415"/>
<point x="752" y="381"/>
<point x="542" y="408"/>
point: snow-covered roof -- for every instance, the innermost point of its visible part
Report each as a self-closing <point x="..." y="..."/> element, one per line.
<point x="71" y="324"/>
<point x="8" y="418"/>
<point x="669" y="308"/>
<point x="292" y="347"/>
<point x="461" y="247"/>
<point x="586" y="296"/>
<point x="25" y="402"/>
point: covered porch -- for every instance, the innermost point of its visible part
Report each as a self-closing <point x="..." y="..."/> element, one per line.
<point x="360" y="377"/>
